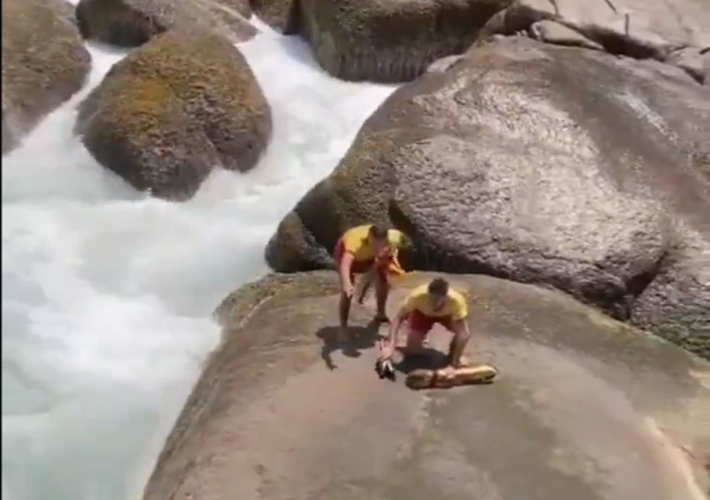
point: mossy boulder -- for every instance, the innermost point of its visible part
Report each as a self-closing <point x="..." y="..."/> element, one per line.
<point x="131" y="23"/>
<point x="44" y="63"/>
<point x="584" y="408"/>
<point x="388" y="40"/>
<point x="542" y="164"/>
<point x="173" y="110"/>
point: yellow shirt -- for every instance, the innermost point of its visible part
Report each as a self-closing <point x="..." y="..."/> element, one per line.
<point x="356" y="242"/>
<point x="455" y="305"/>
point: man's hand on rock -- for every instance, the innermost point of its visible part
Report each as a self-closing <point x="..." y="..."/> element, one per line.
<point x="386" y="350"/>
<point x="447" y="373"/>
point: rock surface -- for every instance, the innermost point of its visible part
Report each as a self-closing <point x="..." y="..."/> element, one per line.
<point x="695" y="61"/>
<point x="44" y="63"/>
<point x="636" y="28"/>
<point x="561" y="166"/>
<point x="585" y="408"/>
<point x="131" y="23"/>
<point x="173" y="110"/>
<point x="559" y="34"/>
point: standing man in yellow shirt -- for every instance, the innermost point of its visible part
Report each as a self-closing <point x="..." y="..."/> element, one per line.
<point x="369" y="249"/>
<point x="424" y="307"/>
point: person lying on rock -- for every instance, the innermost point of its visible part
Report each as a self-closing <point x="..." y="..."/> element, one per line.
<point x="373" y="251"/>
<point x="426" y="306"/>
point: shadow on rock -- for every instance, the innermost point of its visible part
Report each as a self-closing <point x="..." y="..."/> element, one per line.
<point x="428" y="359"/>
<point x="359" y="339"/>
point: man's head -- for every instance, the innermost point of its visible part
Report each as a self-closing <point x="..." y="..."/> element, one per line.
<point x="378" y="237"/>
<point x="438" y="290"/>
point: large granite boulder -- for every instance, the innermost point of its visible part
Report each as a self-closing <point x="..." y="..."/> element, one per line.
<point x="44" y="63"/>
<point x="170" y="112"/>
<point x="585" y="408"/>
<point x="131" y="23"/>
<point x="381" y="40"/>
<point x="537" y="163"/>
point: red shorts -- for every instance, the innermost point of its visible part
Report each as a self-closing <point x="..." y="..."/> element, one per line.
<point x="362" y="266"/>
<point x="420" y="324"/>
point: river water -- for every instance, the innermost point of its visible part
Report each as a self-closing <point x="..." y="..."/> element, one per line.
<point x="107" y="295"/>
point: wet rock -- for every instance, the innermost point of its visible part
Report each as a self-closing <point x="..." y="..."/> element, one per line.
<point x="559" y="166"/>
<point x="131" y="23"/>
<point x="44" y="63"/>
<point x="390" y="41"/>
<point x="173" y="110"/>
<point x="643" y="29"/>
<point x="585" y="408"/>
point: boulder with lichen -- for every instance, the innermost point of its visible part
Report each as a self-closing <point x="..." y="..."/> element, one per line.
<point x="173" y="110"/>
<point x="44" y="63"/>
<point x="131" y="23"/>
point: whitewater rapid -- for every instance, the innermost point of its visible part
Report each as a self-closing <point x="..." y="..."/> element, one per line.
<point x="107" y="295"/>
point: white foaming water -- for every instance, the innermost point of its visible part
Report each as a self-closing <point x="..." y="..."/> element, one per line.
<point x="108" y="295"/>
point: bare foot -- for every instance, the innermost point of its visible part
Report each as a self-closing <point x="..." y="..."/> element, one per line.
<point x="382" y="319"/>
<point x="464" y="361"/>
<point x="447" y="373"/>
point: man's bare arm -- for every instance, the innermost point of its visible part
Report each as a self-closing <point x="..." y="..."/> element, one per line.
<point x="462" y="334"/>
<point x="387" y="344"/>
<point x="397" y="324"/>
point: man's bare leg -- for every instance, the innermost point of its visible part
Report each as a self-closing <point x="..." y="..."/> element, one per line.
<point x="382" y="291"/>
<point x="415" y="346"/>
<point x="364" y="284"/>
<point x="344" y="312"/>
<point x="457" y="347"/>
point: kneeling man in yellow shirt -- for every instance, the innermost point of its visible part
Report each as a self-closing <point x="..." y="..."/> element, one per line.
<point x="426" y="306"/>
